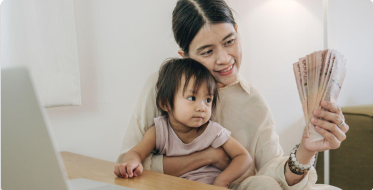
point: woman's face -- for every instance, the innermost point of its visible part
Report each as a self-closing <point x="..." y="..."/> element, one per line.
<point x="218" y="48"/>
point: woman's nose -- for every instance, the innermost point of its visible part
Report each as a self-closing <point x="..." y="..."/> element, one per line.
<point x="222" y="57"/>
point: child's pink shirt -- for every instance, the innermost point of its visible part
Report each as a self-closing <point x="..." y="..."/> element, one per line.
<point x="169" y="144"/>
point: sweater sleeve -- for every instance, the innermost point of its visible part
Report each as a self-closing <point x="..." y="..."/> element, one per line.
<point x="269" y="159"/>
<point x="266" y="149"/>
<point x="143" y="118"/>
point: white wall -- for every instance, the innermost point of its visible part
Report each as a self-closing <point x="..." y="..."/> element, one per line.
<point x="351" y="32"/>
<point x="121" y="42"/>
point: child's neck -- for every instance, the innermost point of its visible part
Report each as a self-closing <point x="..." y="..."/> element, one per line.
<point x="185" y="133"/>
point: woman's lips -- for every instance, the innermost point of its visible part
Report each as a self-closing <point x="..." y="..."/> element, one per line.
<point x="226" y="71"/>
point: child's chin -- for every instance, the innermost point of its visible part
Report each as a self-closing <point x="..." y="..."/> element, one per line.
<point x="199" y="124"/>
<point x="195" y="125"/>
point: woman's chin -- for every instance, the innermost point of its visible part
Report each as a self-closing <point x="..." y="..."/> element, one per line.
<point x="227" y="80"/>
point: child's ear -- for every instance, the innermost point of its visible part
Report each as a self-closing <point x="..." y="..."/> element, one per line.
<point x="164" y="107"/>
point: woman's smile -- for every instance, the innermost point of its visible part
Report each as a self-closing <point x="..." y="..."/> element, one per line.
<point x="226" y="71"/>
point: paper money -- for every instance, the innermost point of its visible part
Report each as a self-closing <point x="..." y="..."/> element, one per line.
<point x="319" y="76"/>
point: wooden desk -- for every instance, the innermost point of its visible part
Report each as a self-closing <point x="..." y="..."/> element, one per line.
<point x="79" y="166"/>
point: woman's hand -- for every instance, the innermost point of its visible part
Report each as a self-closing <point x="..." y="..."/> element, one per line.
<point x="328" y="128"/>
<point x="219" y="157"/>
<point x="179" y="165"/>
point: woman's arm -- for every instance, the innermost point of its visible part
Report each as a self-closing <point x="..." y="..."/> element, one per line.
<point x="177" y="166"/>
<point x="241" y="162"/>
<point x="328" y="128"/>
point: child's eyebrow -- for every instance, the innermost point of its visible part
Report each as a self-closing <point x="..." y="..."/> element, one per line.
<point x="189" y="92"/>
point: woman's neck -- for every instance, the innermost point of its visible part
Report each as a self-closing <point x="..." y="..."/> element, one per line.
<point x="221" y="85"/>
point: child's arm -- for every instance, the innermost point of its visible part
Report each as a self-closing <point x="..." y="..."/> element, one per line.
<point x="241" y="162"/>
<point x="132" y="160"/>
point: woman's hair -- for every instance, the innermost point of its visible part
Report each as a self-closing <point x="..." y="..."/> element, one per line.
<point x="189" y="16"/>
<point x="170" y="76"/>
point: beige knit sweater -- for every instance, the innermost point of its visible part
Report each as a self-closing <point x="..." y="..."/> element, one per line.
<point x="243" y="111"/>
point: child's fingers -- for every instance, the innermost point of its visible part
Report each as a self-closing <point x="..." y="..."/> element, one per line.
<point x="130" y="168"/>
<point x="123" y="170"/>
<point x="138" y="170"/>
<point x="116" y="171"/>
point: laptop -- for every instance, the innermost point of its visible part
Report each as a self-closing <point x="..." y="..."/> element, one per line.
<point x="29" y="155"/>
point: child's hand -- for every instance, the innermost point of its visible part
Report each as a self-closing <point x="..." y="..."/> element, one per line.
<point x="128" y="169"/>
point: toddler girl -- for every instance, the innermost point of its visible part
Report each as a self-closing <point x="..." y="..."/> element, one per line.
<point x="186" y="95"/>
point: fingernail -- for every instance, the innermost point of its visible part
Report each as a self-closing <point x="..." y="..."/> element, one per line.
<point x="317" y="112"/>
<point x="317" y="128"/>
<point x="314" y="120"/>
<point x="324" y="103"/>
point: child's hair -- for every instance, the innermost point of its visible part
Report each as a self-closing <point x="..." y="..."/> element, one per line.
<point x="170" y="75"/>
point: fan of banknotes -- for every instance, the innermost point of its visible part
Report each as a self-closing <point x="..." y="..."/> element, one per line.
<point x="319" y="76"/>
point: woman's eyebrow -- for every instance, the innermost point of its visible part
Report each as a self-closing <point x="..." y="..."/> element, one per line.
<point x="206" y="46"/>
<point x="229" y="35"/>
<point x="202" y="47"/>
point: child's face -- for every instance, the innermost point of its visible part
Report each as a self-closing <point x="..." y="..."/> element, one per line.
<point x="192" y="110"/>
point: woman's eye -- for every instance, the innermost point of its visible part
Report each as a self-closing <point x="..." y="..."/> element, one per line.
<point x="208" y="100"/>
<point x="229" y="42"/>
<point x="207" y="52"/>
<point x="191" y="98"/>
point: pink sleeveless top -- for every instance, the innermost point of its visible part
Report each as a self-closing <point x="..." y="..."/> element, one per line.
<point x="169" y="144"/>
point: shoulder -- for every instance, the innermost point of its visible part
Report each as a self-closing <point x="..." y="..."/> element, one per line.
<point x="161" y="121"/>
<point x="214" y="126"/>
<point x="151" y="129"/>
<point x="161" y="126"/>
<point x="150" y="133"/>
<point x="153" y="76"/>
<point x="152" y="79"/>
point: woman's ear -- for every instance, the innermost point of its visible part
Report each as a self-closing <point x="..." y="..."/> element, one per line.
<point x="182" y="53"/>
<point x="236" y="26"/>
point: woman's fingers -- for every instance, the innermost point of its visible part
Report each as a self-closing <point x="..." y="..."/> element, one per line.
<point x="333" y="141"/>
<point x="332" y="117"/>
<point x="334" y="129"/>
<point x="334" y="108"/>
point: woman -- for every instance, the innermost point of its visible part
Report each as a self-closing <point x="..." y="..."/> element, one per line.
<point x="206" y="31"/>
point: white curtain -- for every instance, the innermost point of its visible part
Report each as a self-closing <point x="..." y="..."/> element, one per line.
<point x="41" y="35"/>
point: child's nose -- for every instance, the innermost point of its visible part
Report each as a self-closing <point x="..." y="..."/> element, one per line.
<point x="201" y="108"/>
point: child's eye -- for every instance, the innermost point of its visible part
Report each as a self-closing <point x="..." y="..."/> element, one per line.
<point x="191" y="98"/>
<point x="208" y="100"/>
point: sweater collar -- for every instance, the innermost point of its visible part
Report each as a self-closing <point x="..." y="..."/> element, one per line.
<point x="240" y="81"/>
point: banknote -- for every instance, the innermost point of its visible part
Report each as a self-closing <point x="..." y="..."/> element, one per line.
<point x="298" y="80"/>
<point x="303" y="73"/>
<point x="319" y="76"/>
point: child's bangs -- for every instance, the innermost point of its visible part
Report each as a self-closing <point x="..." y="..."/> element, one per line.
<point x="199" y="79"/>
